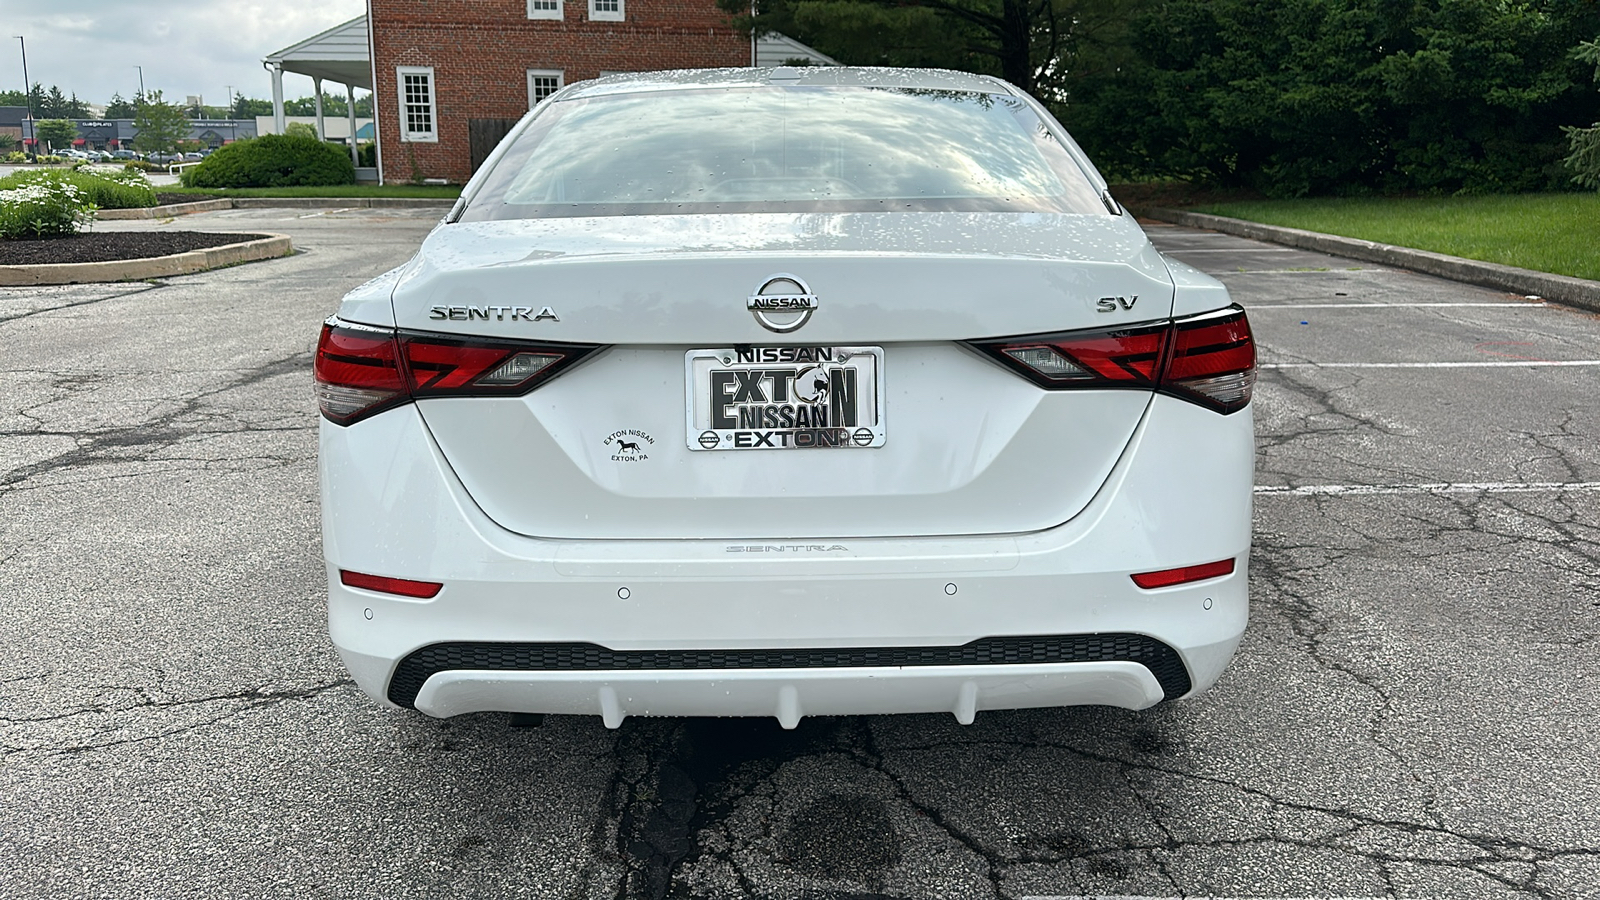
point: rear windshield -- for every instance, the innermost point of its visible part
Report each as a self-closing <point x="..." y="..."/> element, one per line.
<point x="784" y="149"/>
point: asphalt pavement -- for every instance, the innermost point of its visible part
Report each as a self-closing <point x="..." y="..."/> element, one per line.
<point x="1412" y="713"/>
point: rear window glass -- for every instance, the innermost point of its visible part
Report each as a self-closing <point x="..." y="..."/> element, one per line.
<point x="784" y="149"/>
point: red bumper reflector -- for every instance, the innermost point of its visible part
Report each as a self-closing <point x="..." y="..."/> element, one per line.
<point x="401" y="586"/>
<point x="1184" y="575"/>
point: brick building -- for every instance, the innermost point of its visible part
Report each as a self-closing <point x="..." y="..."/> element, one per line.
<point x="449" y="77"/>
<point x="442" y="64"/>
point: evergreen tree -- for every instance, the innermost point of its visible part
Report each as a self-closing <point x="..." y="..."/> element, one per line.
<point x="1585" y="142"/>
<point x="119" y="108"/>
<point x="56" y="104"/>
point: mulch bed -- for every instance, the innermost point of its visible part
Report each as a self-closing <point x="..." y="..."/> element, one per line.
<point x="111" y="245"/>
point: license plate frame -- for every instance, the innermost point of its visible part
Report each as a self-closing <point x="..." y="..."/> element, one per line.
<point x="850" y="405"/>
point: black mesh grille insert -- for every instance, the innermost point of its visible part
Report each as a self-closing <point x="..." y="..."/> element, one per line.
<point x="1162" y="661"/>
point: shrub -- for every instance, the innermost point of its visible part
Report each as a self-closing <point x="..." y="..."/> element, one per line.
<point x="43" y="207"/>
<point x="106" y="187"/>
<point x="300" y="129"/>
<point x="272" y="160"/>
<point x="369" y="155"/>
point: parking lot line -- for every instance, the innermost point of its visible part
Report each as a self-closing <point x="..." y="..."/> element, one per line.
<point x="1463" y="487"/>
<point x="1185" y="897"/>
<point x="1473" y="364"/>
<point x="1505" y="304"/>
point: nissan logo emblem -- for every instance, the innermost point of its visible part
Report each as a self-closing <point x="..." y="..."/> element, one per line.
<point x="779" y="298"/>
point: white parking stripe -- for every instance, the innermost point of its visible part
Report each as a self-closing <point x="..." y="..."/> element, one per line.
<point x="1240" y="250"/>
<point x="1474" y="364"/>
<point x="1465" y="487"/>
<point x="1502" y="305"/>
<point x="1188" y="896"/>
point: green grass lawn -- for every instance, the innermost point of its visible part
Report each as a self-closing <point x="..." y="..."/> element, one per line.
<point x="428" y="191"/>
<point x="1557" y="233"/>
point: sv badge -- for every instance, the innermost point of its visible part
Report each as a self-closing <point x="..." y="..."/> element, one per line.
<point x="1110" y="304"/>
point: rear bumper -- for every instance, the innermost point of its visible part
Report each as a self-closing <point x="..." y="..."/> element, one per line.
<point x="393" y="507"/>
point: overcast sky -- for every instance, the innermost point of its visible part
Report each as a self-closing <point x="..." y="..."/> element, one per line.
<point x="198" y="47"/>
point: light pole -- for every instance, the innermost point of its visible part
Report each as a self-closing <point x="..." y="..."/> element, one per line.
<point x="141" y="83"/>
<point x="232" y="134"/>
<point x="27" y="92"/>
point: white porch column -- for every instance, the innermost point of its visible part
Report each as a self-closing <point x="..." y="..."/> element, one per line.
<point x="277" y="98"/>
<point x="350" y="107"/>
<point x="322" y="131"/>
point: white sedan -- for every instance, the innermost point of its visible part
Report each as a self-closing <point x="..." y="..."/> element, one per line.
<point x="786" y="392"/>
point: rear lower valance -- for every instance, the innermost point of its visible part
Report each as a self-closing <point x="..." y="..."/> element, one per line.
<point x="1163" y="661"/>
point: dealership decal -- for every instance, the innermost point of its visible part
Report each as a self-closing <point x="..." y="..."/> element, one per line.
<point x="629" y="445"/>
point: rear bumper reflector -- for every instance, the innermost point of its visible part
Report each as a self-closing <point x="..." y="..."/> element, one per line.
<point x="1163" y="661"/>
<point x="383" y="584"/>
<point x="1183" y="574"/>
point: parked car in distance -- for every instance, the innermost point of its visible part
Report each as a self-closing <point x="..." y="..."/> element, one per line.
<point x="821" y="391"/>
<point x="163" y="158"/>
<point x="194" y="156"/>
<point x="124" y="154"/>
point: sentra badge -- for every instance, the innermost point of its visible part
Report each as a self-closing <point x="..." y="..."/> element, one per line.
<point x="498" y="313"/>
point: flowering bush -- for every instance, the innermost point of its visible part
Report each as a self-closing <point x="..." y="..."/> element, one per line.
<point x="107" y="187"/>
<point x="44" y="208"/>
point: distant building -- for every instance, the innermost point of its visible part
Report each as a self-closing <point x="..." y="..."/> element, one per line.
<point x="449" y="79"/>
<point x="118" y="134"/>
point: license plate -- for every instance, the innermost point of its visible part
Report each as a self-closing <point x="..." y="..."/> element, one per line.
<point x="785" y="398"/>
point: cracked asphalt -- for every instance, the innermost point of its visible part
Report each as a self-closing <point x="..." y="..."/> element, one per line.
<point x="1412" y="713"/>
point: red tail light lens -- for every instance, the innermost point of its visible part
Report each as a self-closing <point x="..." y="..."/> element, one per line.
<point x="362" y="370"/>
<point x="1207" y="359"/>
<point x="402" y="586"/>
<point x="1183" y="574"/>
<point x="356" y="372"/>
<point x="1213" y="361"/>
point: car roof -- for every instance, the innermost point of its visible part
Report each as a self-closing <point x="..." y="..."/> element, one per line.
<point x="815" y="76"/>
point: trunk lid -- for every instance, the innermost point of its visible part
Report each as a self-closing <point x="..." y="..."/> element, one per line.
<point x="606" y="449"/>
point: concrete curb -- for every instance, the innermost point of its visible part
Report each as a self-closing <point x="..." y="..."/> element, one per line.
<point x="152" y="267"/>
<point x="340" y="203"/>
<point x="162" y="212"/>
<point x="199" y="206"/>
<point x="1560" y="288"/>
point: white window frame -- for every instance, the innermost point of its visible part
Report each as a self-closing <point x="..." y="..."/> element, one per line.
<point x="558" y="13"/>
<point x="406" y="134"/>
<point x="558" y="74"/>
<point x="608" y="16"/>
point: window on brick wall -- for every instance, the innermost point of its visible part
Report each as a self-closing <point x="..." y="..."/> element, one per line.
<point x="418" y="119"/>
<point x="544" y="9"/>
<point x="606" y="10"/>
<point x="542" y="83"/>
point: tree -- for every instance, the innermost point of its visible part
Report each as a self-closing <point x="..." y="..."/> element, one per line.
<point x="119" y="108"/>
<point x="301" y="129"/>
<point x="248" y="108"/>
<point x="1344" y="96"/>
<point x="57" y="134"/>
<point x="13" y="98"/>
<point x="1041" y="46"/>
<point x="1584" y="162"/>
<point x="160" y="125"/>
<point x="8" y="143"/>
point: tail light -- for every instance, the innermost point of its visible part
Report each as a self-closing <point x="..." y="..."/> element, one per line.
<point x="361" y="370"/>
<point x="1208" y="359"/>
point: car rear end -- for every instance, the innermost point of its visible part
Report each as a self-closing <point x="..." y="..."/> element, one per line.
<point x="801" y="424"/>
